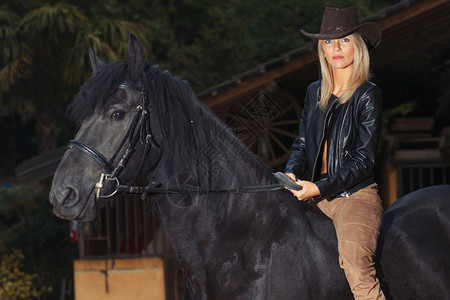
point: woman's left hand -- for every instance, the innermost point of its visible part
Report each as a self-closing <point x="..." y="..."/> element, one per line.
<point x="309" y="190"/>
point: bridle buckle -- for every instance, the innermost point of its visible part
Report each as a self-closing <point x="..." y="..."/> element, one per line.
<point x="99" y="185"/>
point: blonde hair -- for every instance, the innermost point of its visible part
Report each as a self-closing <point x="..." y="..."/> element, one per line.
<point x="360" y="74"/>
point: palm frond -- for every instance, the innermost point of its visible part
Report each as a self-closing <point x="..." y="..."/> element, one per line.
<point x="108" y="38"/>
<point x="53" y="19"/>
<point x="11" y="72"/>
<point x="7" y="16"/>
<point x="8" y="23"/>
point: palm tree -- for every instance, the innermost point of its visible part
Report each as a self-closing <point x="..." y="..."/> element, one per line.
<point x="44" y="57"/>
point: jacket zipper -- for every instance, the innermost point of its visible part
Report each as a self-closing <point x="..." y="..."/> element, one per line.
<point x="321" y="140"/>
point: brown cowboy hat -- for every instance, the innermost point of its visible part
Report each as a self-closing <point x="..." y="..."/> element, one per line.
<point x="340" y="22"/>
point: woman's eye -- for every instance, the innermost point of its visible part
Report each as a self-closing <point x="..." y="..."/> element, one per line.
<point x="346" y="40"/>
<point x="118" y="115"/>
<point x="327" y="41"/>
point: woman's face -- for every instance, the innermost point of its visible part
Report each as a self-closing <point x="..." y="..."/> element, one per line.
<point x="339" y="53"/>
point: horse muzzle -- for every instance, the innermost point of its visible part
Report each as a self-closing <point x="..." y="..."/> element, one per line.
<point x="67" y="204"/>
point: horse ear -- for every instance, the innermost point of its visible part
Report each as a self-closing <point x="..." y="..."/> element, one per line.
<point x="136" y="57"/>
<point x="96" y="62"/>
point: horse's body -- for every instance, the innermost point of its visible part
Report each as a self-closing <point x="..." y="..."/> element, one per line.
<point x="264" y="245"/>
<point x="414" y="247"/>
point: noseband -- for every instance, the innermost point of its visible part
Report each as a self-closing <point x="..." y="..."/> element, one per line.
<point x="139" y="130"/>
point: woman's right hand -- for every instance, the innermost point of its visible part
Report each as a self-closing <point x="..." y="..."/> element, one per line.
<point x="309" y="189"/>
<point x="292" y="176"/>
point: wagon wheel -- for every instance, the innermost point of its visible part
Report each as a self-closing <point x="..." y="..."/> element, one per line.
<point x="267" y="124"/>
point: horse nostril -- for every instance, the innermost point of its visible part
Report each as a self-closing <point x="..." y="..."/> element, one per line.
<point x="66" y="202"/>
<point x="69" y="197"/>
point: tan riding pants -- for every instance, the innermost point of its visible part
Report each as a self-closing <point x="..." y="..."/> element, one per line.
<point x="357" y="220"/>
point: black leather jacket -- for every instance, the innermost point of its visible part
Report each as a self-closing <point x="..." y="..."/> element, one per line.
<point x="352" y="131"/>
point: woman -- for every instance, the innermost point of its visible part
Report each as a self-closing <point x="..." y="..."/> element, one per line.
<point x="337" y="143"/>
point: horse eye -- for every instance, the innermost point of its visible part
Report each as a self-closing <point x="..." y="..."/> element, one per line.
<point x="118" y="115"/>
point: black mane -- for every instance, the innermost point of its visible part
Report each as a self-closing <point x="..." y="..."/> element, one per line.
<point x="186" y="123"/>
<point x="183" y="121"/>
<point x="96" y="91"/>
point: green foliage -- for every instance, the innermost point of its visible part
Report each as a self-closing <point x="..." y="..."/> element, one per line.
<point x="27" y="223"/>
<point x="15" y="196"/>
<point x="43" y="57"/>
<point x="14" y="282"/>
<point x="13" y="203"/>
<point x="400" y="110"/>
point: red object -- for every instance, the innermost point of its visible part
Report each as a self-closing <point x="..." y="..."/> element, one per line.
<point x="73" y="226"/>
<point x="130" y="247"/>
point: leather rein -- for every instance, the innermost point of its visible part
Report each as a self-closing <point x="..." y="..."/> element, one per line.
<point x="140" y="130"/>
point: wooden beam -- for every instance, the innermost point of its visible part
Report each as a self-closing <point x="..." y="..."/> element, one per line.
<point x="256" y="82"/>
<point x="410" y="12"/>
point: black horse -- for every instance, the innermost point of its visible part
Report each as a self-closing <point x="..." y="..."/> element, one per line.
<point x="253" y="242"/>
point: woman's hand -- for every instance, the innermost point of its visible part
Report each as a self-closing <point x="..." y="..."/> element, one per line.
<point x="292" y="176"/>
<point x="309" y="189"/>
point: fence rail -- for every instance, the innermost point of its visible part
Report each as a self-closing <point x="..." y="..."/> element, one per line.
<point x="129" y="228"/>
<point x="414" y="176"/>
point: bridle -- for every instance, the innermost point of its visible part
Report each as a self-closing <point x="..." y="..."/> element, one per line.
<point x="140" y="130"/>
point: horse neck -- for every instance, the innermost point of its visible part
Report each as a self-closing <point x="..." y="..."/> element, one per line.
<point x="197" y="144"/>
<point x="198" y="223"/>
<point x="218" y="160"/>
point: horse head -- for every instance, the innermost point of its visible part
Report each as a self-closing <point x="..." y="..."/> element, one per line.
<point x="114" y="135"/>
